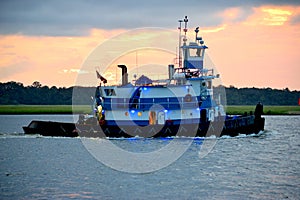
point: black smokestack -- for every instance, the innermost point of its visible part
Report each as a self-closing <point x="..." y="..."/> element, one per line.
<point x="124" y="74"/>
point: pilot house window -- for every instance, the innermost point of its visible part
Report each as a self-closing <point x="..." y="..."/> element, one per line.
<point x="195" y="52"/>
<point x="110" y="92"/>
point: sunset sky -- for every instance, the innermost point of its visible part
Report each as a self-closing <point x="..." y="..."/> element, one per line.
<point x="252" y="44"/>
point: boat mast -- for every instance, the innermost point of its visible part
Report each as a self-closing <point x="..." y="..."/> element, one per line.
<point x="185" y="20"/>
<point x="185" y="29"/>
<point x="185" y="50"/>
<point x="179" y="45"/>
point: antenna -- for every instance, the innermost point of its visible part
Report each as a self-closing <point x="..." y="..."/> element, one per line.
<point x="196" y="31"/>
<point x="185" y="25"/>
<point x="185" y="29"/>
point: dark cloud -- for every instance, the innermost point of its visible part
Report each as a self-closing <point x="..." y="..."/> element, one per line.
<point x="56" y="17"/>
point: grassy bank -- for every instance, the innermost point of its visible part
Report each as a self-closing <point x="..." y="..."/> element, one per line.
<point x="67" y="109"/>
<point x="43" y="109"/>
<point x="268" y="110"/>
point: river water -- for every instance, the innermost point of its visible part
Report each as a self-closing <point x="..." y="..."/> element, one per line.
<point x="266" y="166"/>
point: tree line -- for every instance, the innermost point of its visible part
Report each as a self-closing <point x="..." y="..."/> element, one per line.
<point x="14" y="93"/>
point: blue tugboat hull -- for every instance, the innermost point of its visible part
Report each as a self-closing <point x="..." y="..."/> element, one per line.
<point x="231" y="127"/>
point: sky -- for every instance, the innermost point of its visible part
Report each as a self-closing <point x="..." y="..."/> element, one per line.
<point x="252" y="43"/>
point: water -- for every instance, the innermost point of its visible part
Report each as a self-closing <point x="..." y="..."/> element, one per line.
<point x="245" y="167"/>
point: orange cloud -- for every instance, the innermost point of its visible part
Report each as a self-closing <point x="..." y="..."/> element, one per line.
<point x="214" y="29"/>
<point x="51" y="60"/>
<point x="231" y="14"/>
<point x="272" y="15"/>
<point x="256" y="52"/>
<point x="276" y="17"/>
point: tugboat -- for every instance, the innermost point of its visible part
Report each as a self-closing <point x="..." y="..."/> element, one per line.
<point x="182" y="105"/>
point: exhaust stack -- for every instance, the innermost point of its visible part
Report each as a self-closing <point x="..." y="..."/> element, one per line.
<point x="124" y="74"/>
<point x="171" y="71"/>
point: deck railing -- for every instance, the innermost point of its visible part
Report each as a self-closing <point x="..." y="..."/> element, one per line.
<point x="172" y="103"/>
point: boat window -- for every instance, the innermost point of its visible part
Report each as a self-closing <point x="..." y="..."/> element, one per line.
<point x="195" y="52"/>
<point x="110" y="92"/>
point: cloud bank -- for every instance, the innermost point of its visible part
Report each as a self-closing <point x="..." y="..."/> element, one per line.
<point x="78" y="17"/>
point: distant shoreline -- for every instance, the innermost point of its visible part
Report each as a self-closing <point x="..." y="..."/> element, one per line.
<point x="86" y="109"/>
